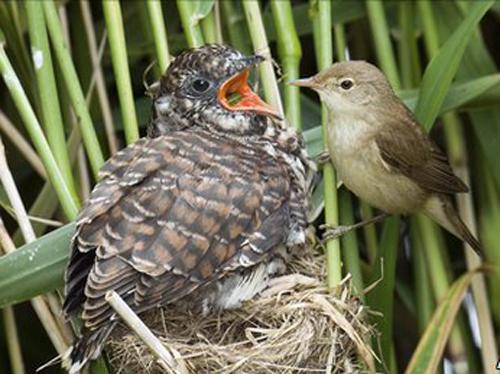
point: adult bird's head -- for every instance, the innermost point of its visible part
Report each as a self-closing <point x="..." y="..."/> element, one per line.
<point x="208" y="86"/>
<point x="351" y="86"/>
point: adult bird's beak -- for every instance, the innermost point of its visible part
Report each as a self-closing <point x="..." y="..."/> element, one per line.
<point x="236" y="95"/>
<point x="305" y="82"/>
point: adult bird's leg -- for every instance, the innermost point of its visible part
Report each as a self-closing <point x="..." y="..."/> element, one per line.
<point x="333" y="232"/>
<point x="322" y="159"/>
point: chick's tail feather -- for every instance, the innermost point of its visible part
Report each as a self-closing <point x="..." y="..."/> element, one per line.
<point x="88" y="347"/>
<point x="440" y="209"/>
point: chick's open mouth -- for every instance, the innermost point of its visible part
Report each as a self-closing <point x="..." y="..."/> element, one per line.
<point x="236" y="95"/>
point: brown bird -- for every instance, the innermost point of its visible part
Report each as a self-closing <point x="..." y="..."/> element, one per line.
<point x="204" y="210"/>
<point x="380" y="151"/>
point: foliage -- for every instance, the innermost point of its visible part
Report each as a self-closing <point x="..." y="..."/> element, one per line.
<point x="70" y="68"/>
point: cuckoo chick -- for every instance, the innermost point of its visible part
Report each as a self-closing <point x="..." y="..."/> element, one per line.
<point x="204" y="210"/>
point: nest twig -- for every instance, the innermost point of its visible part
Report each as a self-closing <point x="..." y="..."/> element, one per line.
<point x="296" y="326"/>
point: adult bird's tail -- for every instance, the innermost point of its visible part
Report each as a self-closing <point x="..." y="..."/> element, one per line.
<point x="440" y="209"/>
<point x="88" y="347"/>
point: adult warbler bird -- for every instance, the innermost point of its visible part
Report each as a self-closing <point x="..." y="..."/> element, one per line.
<point x="380" y="151"/>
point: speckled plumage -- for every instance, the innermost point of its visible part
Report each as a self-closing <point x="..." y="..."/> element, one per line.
<point x="210" y="201"/>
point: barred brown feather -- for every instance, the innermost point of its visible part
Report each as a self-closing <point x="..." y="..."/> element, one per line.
<point x="200" y="213"/>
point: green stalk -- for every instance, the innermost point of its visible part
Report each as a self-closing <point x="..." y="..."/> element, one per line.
<point x="13" y="346"/>
<point x="218" y="22"/>
<point x="411" y="75"/>
<point x="192" y="31"/>
<point x="350" y="248"/>
<point x="45" y="205"/>
<point x="22" y="145"/>
<point x="73" y="86"/>
<point x="40" y="305"/>
<point x="116" y="35"/>
<point x="51" y="112"/>
<point x="442" y="272"/>
<point x="261" y="47"/>
<point x="209" y="28"/>
<point x="489" y="216"/>
<point x="431" y="36"/>
<point x="369" y="233"/>
<point x="236" y="21"/>
<point x="95" y="56"/>
<point x="9" y="318"/>
<point x="438" y="275"/>
<point x="408" y="57"/>
<point x="384" y="303"/>
<point x="141" y="13"/>
<point x="18" y="51"/>
<point x="381" y="35"/>
<point x="381" y="298"/>
<point x="340" y="44"/>
<point x="457" y="152"/>
<point x="68" y="203"/>
<point x="424" y="300"/>
<point x="99" y="366"/>
<point x="159" y="33"/>
<point x="321" y="18"/>
<point x="290" y="54"/>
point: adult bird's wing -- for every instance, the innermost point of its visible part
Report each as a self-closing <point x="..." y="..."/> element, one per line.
<point x="405" y="148"/>
<point x="170" y="215"/>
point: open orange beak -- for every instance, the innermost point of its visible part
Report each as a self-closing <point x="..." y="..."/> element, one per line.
<point x="235" y="95"/>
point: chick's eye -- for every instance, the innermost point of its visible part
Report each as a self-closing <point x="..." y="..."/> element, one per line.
<point x="200" y="85"/>
<point x="346" y="84"/>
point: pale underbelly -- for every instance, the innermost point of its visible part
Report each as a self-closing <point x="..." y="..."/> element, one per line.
<point x="231" y="291"/>
<point x="372" y="183"/>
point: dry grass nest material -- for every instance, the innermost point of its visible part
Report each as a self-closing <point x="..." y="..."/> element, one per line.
<point x="295" y="327"/>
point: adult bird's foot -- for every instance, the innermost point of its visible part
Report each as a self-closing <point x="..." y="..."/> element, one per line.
<point x="334" y="232"/>
<point x="322" y="159"/>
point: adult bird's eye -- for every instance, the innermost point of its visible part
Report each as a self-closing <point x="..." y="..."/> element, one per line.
<point x="347" y="84"/>
<point x="200" y="85"/>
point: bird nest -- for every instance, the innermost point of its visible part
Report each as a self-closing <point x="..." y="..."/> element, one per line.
<point x="296" y="326"/>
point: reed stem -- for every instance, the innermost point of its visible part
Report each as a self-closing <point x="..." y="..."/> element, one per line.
<point x="102" y="92"/>
<point x="73" y="87"/>
<point x="209" y="27"/>
<point x="261" y="47"/>
<point x="192" y="30"/>
<point x="236" y="26"/>
<point x="41" y="308"/>
<point x="381" y="35"/>
<point x="290" y="53"/>
<point x="382" y="300"/>
<point x="349" y="242"/>
<point x="321" y="17"/>
<point x="9" y="318"/>
<point x="458" y="159"/>
<point x="66" y="198"/>
<point x="159" y="33"/>
<point x="13" y="346"/>
<point x="116" y="34"/>
<point x="8" y="128"/>
<point x="51" y="109"/>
